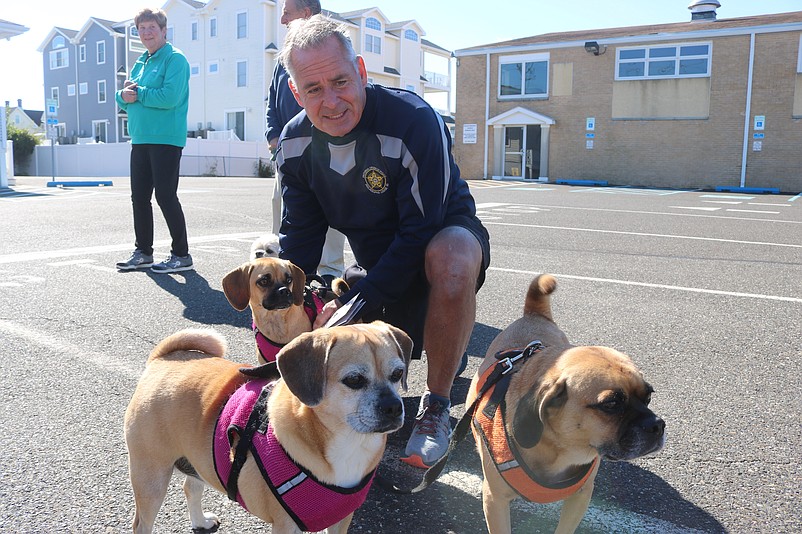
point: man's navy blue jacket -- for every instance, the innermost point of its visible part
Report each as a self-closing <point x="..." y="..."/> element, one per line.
<point x="281" y="103"/>
<point x="388" y="186"/>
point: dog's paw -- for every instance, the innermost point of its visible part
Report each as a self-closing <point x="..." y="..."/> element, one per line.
<point x="210" y="522"/>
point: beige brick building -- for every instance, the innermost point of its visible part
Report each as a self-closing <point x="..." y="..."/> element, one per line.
<point x="701" y="104"/>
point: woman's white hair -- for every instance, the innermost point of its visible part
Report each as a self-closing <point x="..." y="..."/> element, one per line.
<point x="307" y="34"/>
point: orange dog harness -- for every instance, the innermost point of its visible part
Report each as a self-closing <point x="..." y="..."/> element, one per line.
<point x="489" y="422"/>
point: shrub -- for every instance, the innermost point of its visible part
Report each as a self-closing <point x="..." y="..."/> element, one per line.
<point x="264" y="169"/>
<point x="24" y="142"/>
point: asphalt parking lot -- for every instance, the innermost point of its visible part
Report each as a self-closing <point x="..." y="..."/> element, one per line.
<point x="701" y="289"/>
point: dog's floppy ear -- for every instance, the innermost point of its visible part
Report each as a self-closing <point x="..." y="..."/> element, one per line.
<point x="302" y="364"/>
<point x="405" y="345"/>
<point x="237" y="286"/>
<point x="298" y="284"/>
<point x="267" y="370"/>
<point x="527" y="426"/>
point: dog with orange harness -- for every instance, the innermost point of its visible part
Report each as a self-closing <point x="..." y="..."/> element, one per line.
<point x="548" y="411"/>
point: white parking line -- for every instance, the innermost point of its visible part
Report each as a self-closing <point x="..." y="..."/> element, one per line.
<point x="103" y="249"/>
<point x="643" y="234"/>
<point x="699" y="208"/>
<point x="65" y="348"/>
<point x="655" y="286"/>
<point x="672" y="214"/>
<point x="754" y="211"/>
<point x="740" y="197"/>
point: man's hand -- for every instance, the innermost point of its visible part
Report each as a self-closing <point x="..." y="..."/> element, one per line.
<point x="325" y="314"/>
<point x="129" y="94"/>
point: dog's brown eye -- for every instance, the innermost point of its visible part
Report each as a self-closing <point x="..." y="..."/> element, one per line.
<point x="397" y="375"/>
<point x="614" y="404"/>
<point x="264" y="281"/>
<point x="355" y="381"/>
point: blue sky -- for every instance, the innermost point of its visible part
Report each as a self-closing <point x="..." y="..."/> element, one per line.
<point x="452" y="24"/>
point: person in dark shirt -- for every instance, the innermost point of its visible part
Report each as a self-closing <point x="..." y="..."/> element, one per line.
<point x="375" y="163"/>
<point x="281" y="107"/>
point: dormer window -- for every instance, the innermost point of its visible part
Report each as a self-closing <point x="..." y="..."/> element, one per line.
<point x="412" y="35"/>
<point x="373" y="24"/>
<point x="58" y="41"/>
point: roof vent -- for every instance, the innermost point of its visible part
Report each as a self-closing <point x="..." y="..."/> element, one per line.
<point x="703" y="10"/>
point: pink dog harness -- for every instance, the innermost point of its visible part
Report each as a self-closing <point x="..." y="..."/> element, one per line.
<point x="269" y="348"/>
<point x="312" y="504"/>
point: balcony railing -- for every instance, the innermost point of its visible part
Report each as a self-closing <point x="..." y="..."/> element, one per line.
<point x="435" y="78"/>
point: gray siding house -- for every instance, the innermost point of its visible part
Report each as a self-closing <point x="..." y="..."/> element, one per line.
<point x="82" y="70"/>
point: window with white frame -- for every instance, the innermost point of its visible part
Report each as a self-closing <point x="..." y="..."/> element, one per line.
<point x="683" y="60"/>
<point x="213" y="67"/>
<point x="54" y="95"/>
<point x="101" y="52"/>
<point x="242" y="73"/>
<point x="373" y="43"/>
<point x="412" y="35"/>
<point x="134" y="44"/>
<point x="373" y="23"/>
<point x="242" y="25"/>
<point x="194" y="30"/>
<point x="83" y="88"/>
<point x="213" y="27"/>
<point x="82" y="53"/>
<point x="58" y="41"/>
<point x="59" y="59"/>
<point x="523" y="76"/>
<point x="170" y="33"/>
<point x="71" y="89"/>
<point x="194" y="70"/>
<point x="101" y="91"/>
<point x="125" y="128"/>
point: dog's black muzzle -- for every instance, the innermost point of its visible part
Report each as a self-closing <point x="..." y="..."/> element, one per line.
<point x="389" y="411"/>
<point x="278" y="299"/>
<point x="643" y="435"/>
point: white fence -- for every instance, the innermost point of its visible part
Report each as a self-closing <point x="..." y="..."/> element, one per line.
<point x="201" y="157"/>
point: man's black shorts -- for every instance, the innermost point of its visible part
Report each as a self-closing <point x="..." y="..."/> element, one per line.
<point x="409" y="312"/>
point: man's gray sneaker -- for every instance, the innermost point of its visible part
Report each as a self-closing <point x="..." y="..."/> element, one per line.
<point x="173" y="264"/>
<point x="431" y="432"/>
<point x="138" y="260"/>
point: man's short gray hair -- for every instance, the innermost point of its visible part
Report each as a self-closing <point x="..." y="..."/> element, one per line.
<point x="312" y="5"/>
<point x="307" y="34"/>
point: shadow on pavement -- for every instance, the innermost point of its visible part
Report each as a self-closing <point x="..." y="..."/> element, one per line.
<point x="202" y="304"/>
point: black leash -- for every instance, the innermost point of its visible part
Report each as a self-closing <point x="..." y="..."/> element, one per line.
<point x="506" y="364"/>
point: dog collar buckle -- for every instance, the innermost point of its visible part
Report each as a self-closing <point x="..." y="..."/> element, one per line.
<point x="509" y="363"/>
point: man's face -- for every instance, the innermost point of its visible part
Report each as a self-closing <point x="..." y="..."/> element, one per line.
<point x="151" y="35"/>
<point x="330" y="87"/>
<point x="290" y="12"/>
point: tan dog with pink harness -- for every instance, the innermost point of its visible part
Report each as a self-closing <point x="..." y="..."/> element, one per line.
<point x="331" y="411"/>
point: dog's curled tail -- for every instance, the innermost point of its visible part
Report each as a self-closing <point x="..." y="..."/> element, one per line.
<point x="198" y="339"/>
<point x="538" y="301"/>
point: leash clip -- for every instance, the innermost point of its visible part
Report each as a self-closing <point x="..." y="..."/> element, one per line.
<point x="509" y="362"/>
<point x="533" y="347"/>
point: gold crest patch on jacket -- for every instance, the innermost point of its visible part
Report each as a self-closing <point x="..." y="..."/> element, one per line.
<point x="375" y="180"/>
